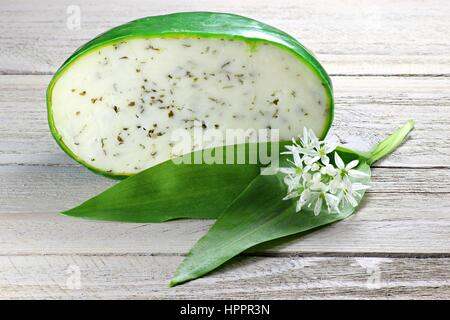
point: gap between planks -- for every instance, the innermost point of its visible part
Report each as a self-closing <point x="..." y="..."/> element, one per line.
<point x="77" y="165"/>
<point x="250" y="253"/>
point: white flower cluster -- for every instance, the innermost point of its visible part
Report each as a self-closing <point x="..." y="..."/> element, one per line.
<point x="316" y="182"/>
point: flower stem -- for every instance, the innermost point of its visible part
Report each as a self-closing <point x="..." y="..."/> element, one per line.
<point x="391" y="143"/>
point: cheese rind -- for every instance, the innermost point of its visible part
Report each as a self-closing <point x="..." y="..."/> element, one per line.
<point x="115" y="105"/>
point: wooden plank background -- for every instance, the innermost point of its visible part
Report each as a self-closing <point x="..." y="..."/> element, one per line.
<point x="389" y="62"/>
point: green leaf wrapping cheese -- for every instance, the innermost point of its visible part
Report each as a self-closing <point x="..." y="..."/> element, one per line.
<point x="115" y="103"/>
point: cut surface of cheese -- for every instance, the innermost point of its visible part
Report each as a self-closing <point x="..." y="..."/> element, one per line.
<point x="117" y="107"/>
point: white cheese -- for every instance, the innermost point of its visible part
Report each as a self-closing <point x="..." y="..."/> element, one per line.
<point x="116" y="107"/>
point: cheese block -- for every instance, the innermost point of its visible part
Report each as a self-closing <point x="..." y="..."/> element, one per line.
<point x="115" y="104"/>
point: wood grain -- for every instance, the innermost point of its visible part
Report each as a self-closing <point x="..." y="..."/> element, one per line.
<point x="387" y="223"/>
<point x="42" y="189"/>
<point x="402" y="203"/>
<point x="146" y="277"/>
<point x="350" y="37"/>
<point x="367" y="110"/>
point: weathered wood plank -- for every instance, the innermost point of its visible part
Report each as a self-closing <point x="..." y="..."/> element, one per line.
<point x="349" y="37"/>
<point x="144" y="277"/>
<point x="42" y="189"/>
<point x="370" y="232"/>
<point x="407" y="211"/>
<point x="367" y="109"/>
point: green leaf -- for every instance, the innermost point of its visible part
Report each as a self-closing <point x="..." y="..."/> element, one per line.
<point x="248" y="204"/>
<point x="171" y="191"/>
<point x="258" y="215"/>
<point x="382" y="149"/>
<point x="391" y="143"/>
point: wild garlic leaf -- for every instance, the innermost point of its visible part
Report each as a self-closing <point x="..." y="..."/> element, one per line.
<point x="256" y="216"/>
<point x="172" y="191"/>
<point x="249" y="205"/>
<point x="382" y="149"/>
<point x="391" y="143"/>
